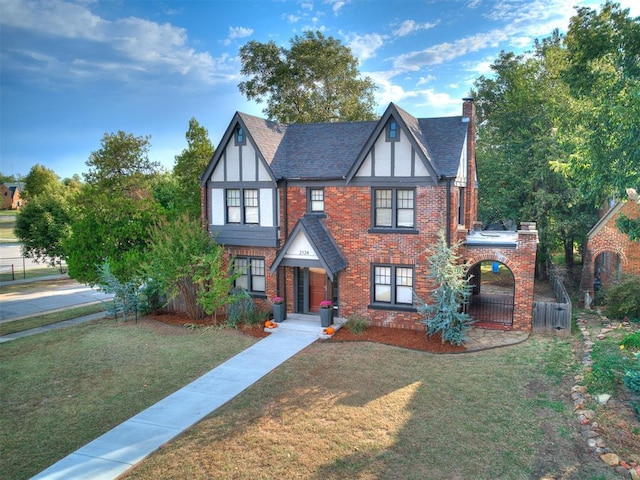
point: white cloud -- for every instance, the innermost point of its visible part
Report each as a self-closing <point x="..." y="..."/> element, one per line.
<point x="410" y="26"/>
<point x="427" y="79"/>
<point x="336" y="5"/>
<point x="79" y="44"/>
<point x="446" y="52"/>
<point x="237" y="32"/>
<point x="365" y="46"/>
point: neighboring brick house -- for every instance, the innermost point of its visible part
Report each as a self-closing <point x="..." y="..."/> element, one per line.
<point x="345" y="212"/>
<point x="10" y="193"/>
<point x="609" y="252"/>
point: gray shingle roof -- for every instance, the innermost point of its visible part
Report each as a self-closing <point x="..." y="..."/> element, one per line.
<point x="329" y="150"/>
<point x="324" y="245"/>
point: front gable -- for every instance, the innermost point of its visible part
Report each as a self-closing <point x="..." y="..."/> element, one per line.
<point x="238" y="161"/>
<point x="392" y="152"/>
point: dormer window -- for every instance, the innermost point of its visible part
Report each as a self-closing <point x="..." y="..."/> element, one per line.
<point x="393" y="133"/>
<point x="240" y="138"/>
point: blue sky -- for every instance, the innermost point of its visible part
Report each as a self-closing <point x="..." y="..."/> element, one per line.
<point x="74" y="70"/>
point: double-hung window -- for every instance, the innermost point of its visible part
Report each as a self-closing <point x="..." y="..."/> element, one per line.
<point x="392" y="285"/>
<point x="393" y="208"/>
<point x="242" y="206"/>
<point x="316" y="200"/>
<point x="252" y="274"/>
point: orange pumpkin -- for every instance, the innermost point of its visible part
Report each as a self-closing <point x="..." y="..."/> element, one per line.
<point x="267" y="323"/>
<point x="329" y="331"/>
<point x="274" y="325"/>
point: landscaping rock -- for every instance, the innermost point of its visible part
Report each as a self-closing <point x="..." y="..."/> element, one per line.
<point x="603" y="398"/>
<point x="610" y="459"/>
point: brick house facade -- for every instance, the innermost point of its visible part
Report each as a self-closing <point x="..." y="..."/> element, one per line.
<point x="346" y="211"/>
<point x="10" y="194"/>
<point x="609" y="252"/>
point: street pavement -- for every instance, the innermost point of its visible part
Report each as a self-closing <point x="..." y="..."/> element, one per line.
<point x="61" y="294"/>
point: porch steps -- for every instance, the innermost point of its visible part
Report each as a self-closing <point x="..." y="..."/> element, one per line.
<point x="297" y="322"/>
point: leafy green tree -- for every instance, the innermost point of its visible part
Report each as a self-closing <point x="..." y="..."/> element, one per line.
<point x="190" y="164"/>
<point x="43" y="225"/>
<point x="601" y="125"/>
<point x="185" y="261"/>
<point x="517" y="141"/>
<point x="316" y="80"/>
<point x="7" y="178"/>
<point x="445" y="315"/>
<point x="114" y="210"/>
<point x="38" y="180"/>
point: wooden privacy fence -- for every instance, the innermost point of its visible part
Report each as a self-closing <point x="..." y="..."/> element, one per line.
<point x="550" y="317"/>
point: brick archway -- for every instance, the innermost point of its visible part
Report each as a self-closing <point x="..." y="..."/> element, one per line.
<point x="520" y="260"/>
<point x="492" y="302"/>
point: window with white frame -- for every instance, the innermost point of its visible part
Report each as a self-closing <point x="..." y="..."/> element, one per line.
<point x="242" y="206"/>
<point x="394" y="208"/>
<point x="393" y="285"/>
<point x="316" y="200"/>
<point x="252" y="274"/>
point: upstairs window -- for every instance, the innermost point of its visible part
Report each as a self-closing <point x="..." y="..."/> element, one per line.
<point x="394" y="208"/>
<point x="242" y="206"/>
<point x="316" y="200"/>
<point x="240" y="138"/>
<point x="393" y="133"/>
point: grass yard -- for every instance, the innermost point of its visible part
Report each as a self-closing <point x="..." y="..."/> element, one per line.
<point x="7" y="224"/>
<point x="369" y="411"/>
<point x="64" y="388"/>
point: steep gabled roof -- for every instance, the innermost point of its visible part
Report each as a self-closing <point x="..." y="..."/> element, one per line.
<point x="336" y="150"/>
<point x="615" y="208"/>
<point x="264" y="134"/>
<point x="325" y="247"/>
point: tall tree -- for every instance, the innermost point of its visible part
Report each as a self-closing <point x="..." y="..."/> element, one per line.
<point x="316" y="80"/>
<point x="43" y="225"/>
<point x="190" y="164"/>
<point x="602" y="123"/>
<point x="39" y="179"/>
<point x="114" y="210"/>
<point x="517" y="141"/>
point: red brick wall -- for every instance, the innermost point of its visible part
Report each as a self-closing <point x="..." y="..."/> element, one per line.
<point x="521" y="261"/>
<point x="609" y="239"/>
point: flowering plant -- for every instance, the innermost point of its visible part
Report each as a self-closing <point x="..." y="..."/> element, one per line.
<point x="277" y="300"/>
<point x="326" y="304"/>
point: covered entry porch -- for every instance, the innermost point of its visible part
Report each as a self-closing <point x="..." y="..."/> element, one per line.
<point x="308" y="265"/>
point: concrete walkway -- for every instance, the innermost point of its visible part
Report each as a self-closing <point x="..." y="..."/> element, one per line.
<point x="127" y="444"/>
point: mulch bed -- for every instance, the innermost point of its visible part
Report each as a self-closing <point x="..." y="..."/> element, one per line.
<point x="398" y="337"/>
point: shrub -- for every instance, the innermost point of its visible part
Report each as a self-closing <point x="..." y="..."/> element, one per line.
<point x="356" y="324"/>
<point x="631" y="341"/>
<point x="240" y="308"/>
<point x="623" y="299"/>
<point x="609" y="366"/>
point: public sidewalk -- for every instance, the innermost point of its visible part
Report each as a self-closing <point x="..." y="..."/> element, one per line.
<point x="119" y="449"/>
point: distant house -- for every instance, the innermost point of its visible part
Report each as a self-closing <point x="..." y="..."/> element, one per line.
<point x="345" y="211"/>
<point x="609" y="252"/>
<point x="10" y="192"/>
